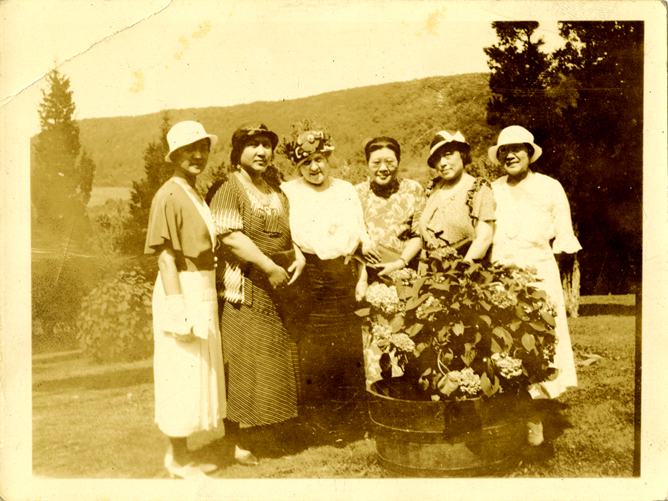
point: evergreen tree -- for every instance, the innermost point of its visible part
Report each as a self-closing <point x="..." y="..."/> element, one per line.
<point x="157" y="170"/>
<point x="518" y="76"/>
<point x="61" y="179"/>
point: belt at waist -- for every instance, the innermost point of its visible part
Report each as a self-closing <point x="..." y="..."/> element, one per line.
<point x="205" y="262"/>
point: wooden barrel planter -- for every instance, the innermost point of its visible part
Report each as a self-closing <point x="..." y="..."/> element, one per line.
<point x="476" y="437"/>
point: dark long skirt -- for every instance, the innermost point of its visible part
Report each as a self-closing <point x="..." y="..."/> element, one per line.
<point x="330" y="346"/>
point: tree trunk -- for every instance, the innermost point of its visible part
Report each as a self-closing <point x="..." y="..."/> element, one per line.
<point x="569" y="268"/>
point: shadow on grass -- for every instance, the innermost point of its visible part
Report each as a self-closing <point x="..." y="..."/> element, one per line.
<point x="554" y="425"/>
<point x="590" y="310"/>
<point x="336" y="424"/>
<point x="106" y="381"/>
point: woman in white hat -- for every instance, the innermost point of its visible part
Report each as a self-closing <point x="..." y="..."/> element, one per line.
<point x="188" y="364"/>
<point x="459" y="212"/>
<point x="533" y="226"/>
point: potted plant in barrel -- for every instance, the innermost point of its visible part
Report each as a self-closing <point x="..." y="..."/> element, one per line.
<point x="459" y="347"/>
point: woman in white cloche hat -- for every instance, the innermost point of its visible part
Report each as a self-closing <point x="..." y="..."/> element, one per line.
<point x="533" y="226"/>
<point x="187" y="362"/>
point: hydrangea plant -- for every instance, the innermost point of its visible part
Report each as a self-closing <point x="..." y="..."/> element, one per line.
<point x="461" y="329"/>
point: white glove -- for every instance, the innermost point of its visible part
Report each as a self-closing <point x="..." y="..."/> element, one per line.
<point x="177" y="310"/>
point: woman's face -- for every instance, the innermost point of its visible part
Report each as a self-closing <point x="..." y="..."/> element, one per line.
<point x="514" y="158"/>
<point x="191" y="159"/>
<point x="450" y="165"/>
<point x="315" y="169"/>
<point x="256" y="155"/>
<point x="384" y="166"/>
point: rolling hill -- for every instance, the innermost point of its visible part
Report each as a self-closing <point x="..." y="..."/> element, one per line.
<point x="412" y="112"/>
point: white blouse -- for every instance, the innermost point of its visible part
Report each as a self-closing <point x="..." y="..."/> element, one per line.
<point x="529" y="217"/>
<point x="328" y="223"/>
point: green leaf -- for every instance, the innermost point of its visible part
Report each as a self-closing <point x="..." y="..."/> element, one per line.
<point x="486" y="385"/>
<point x="515" y="324"/>
<point x="363" y="312"/>
<point x="538" y="294"/>
<point x="486" y="305"/>
<point x="445" y="286"/>
<point x="538" y="327"/>
<point x="397" y="323"/>
<point x="455" y="306"/>
<point x="414" y="329"/>
<point x="496" y="347"/>
<point x="467" y="302"/>
<point x="549" y="319"/>
<point x="486" y="319"/>
<point x="469" y="355"/>
<point x="416" y="301"/>
<point x="528" y="342"/>
<point x="458" y="328"/>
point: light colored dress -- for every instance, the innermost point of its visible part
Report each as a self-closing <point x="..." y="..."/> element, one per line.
<point x="189" y="377"/>
<point x="328" y="226"/>
<point x="390" y="222"/>
<point x="534" y="223"/>
<point x="448" y="217"/>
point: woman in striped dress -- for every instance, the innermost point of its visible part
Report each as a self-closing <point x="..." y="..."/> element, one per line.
<point x="252" y="221"/>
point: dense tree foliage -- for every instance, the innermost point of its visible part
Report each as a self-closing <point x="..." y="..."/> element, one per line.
<point x="583" y="103"/>
<point x="61" y="172"/>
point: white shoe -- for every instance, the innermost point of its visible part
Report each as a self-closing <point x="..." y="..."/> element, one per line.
<point x="535" y="433"/>
<point x="176" y="470"/>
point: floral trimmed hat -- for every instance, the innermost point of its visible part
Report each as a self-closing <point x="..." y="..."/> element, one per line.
<point x="308" y="144"/>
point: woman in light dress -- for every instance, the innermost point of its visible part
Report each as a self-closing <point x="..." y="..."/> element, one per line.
<point x="460" y="208"/>
<point x="392" y="206"/>
<point x="533" y="227"/>
<point x="328" y="226"/>
<point x="187" y="362"/>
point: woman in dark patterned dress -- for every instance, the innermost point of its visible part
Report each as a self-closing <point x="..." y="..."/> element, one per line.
<point x="251" y="215"/>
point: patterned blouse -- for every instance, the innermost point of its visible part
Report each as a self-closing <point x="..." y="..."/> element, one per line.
<point x="449" y="215"/>
<point x="392" y="221"/>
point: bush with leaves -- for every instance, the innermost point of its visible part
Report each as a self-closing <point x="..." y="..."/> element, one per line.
<point x="462" y="329"/>
<point x="115" y="321"/>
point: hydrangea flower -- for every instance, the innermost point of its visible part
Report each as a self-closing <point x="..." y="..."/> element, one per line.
<point x="402" y="342"/>
<point x="507" y="365"/>
<point x="469" y="381"/>
<point x="383" y="332"/>
<point x="383" y="297"/>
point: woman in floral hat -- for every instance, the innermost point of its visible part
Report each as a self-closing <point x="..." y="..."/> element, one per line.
<point x="328" y="226"/>
<point x="459" y="213"/>
<point x="251" y="216"/>
<point x="533" y="226"/>
<point x="188" y="364"/>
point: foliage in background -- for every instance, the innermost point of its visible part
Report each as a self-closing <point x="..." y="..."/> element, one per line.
<point x="115" y="321"/>
<point x="61" y="174"/>
<point x="583" y="103"/>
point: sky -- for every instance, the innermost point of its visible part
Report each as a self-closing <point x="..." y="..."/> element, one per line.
<point x="137" y="57"/>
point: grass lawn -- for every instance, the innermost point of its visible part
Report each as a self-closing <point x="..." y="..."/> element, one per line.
<point x="96" y="421"/>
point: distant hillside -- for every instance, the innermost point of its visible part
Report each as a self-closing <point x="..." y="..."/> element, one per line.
<point x="409" y="111"/>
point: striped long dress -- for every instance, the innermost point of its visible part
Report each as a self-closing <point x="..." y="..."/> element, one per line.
<point x="258" y="353"/>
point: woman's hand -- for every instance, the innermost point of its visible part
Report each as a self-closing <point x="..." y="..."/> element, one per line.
<point x="387" y="268"/>
<point x="297" y="267"/>
<point x="277" y="276"/>
<point x="360" y="290"/>
<point x="370" y="253"/>
<point x="184" y="338"/>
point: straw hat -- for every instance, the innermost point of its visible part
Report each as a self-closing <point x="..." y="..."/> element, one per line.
<point x="185" y="133"/>
<point x="515" y="135"/>
<point x="441" y="139"/>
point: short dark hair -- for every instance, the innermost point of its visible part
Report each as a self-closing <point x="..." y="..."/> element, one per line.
<point x="463" y="149"/>
<point x="378" y="143"/>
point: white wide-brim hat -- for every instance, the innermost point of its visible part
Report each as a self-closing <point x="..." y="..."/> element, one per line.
<point x="185" y="133"/>
<point x="515" y="135"/>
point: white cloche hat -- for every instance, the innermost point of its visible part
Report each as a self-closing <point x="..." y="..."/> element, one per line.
<point x="185" y="133"/>
<point x="515" y="135"/>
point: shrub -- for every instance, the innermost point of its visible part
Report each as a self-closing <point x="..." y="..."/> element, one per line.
<point x="115" y="321"/>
